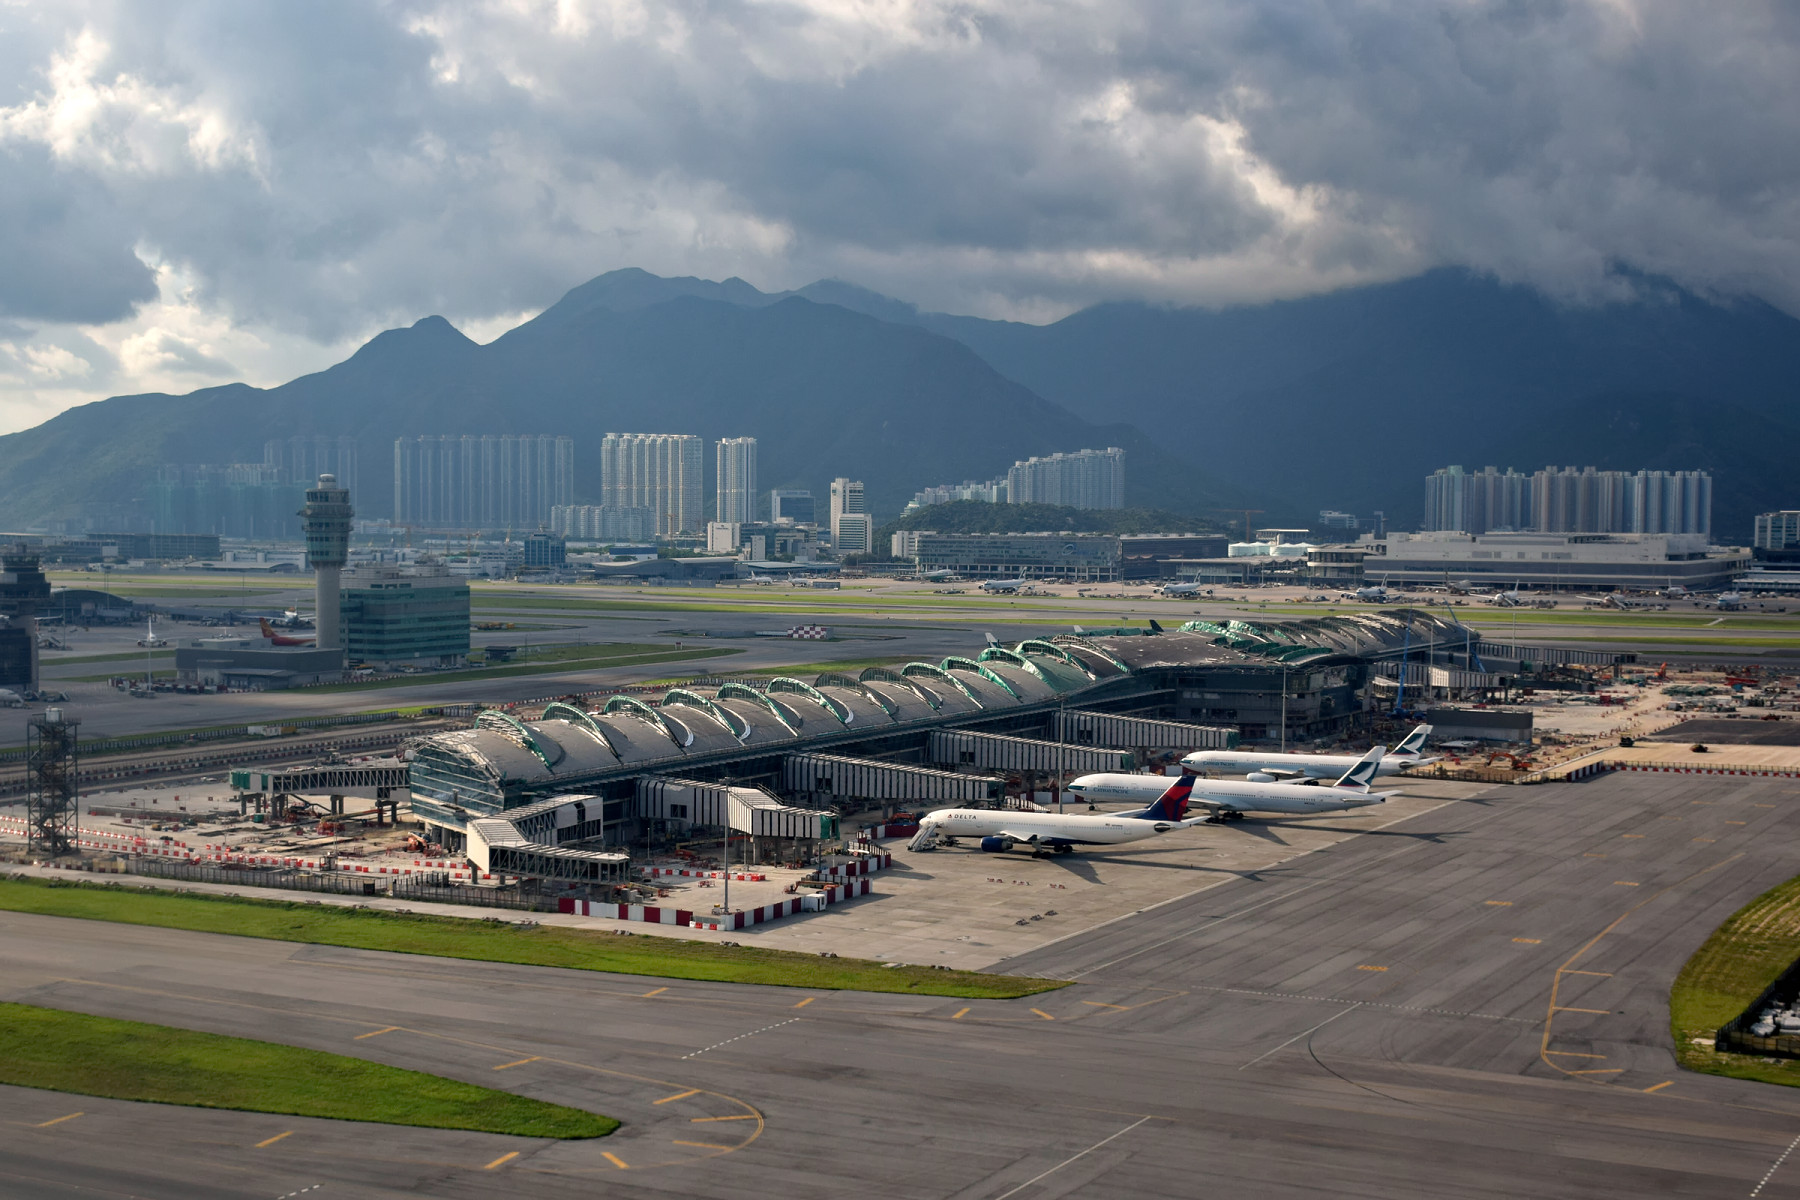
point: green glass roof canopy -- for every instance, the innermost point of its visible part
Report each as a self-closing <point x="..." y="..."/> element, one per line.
<point x="733" y="723"/>
<point x="737" y="691"/>
<point x="931" y="672"/>
<point x="958" y="663"/>
<point x="632" y="706"/>
<point x="784" y="683"/>
<point x="559" y="710"/>
<point x="510" y="726"/>
<point x="886" y="675"/>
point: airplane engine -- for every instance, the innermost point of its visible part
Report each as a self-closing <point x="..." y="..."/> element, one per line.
<point x="995" y="845"/>
<point x="1260" y="777"/>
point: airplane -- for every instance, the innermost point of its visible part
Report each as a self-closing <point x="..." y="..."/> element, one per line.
<point x="275" y="639"/>
<point x="11" y="699"/>
<point x="1184" y="589"/>
<point x="1616" y="601"/>
<point x="1512" y="599"/>
<point x="150" y="639"/>
<point x="1277" y="767"/>
<point x="1377" y="594"/>
<point x="291" y="619"/>
<point x="1230" y="799"/>
<point x="1007" y="586"/>
<point x="1729" y="601"/>
<point x="1674" y="591"/>
<point x="1058" y="833"/>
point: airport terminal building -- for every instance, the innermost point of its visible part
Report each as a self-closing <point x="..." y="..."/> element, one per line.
<point x="1565" y="561"/>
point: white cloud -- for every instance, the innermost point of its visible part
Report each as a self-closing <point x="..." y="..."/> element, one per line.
<point x="199" y="188"/>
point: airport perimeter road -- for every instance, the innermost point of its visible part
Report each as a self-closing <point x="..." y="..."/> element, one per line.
<point x="1372" y="1020"/>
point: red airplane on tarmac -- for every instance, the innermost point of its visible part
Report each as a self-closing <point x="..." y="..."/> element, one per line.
<point x="276" y="639"/>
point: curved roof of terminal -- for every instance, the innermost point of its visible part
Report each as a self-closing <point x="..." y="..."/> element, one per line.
<point x="506" y="755"/>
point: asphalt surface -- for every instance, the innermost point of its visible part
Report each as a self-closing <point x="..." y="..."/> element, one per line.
<point x="1468" y="1003"/>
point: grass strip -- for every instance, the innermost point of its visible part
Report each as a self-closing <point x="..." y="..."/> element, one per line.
<point x="497" y="941"/>
<point x="1729" y="971"/>
<point x="545" y="667"/>
<point x="129" y="1060"/>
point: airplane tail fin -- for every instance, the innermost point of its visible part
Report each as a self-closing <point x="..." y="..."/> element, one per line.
<point x="1359" y="776"/>
<point x="1413" y="742"/>
<point x="1154" y="627"/>
<point x="266" y="631"/>
<point x="1172" y="805"/>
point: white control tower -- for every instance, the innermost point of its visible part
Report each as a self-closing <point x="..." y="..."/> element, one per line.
<point x="327" y="521"/>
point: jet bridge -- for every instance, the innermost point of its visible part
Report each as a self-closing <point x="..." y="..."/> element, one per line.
<point x="828" y="777"/>
<point x="960" y="748"/>
<point x="1086" y="728"/>
<point x="533" y="841"/>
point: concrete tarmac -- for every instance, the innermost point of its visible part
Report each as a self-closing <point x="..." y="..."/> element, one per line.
<point x="1471" y="1002"/>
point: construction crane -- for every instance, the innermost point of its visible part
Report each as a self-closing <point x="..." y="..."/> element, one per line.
<point x="1248" y="513"/>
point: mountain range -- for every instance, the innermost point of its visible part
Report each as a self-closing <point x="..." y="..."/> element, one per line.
<point x="1343" y="401"/>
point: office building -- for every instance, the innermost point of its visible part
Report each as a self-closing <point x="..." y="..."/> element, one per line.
<point x="737" y="479"/>
<point x="851" y="531"/>
<point x="415" y="616"/>
<point x="1575" y="561"/>
<point x="662" y="472"/>
<point x="1568" y="500"/>
<point x="603" y="523"/>
<point x="723" y="537"/>
<point x="1084" y="479"/>
<point x="905" y="543"/>
<point x="1085" y="558"/>
<point x="1777" y="530"/>
<point x="492" y="481"/>
<point x="787" y="505"/>
<point x="545" y="551"/>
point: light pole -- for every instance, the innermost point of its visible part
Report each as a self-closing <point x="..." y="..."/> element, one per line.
<point x="1284" y="696"/>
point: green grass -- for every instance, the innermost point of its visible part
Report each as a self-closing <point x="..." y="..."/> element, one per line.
<point x="128" y="1060"/>
<point x="116" y="656"/>
<point x="486" y="941"/>
<point x="1742" y="957"/>
<point x="544" y="667"/>
<point x="1766" y="643"/>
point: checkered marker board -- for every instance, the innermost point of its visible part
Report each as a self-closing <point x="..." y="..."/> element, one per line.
<point x="817" y="633"/>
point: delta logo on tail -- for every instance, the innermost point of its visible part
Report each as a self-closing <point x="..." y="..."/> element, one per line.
<point x="1172" y="805"/>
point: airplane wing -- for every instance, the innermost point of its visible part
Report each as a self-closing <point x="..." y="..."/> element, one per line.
<point x="1281" y="774"/>
<point x="1024" y="839"/>
<point x="1216" y="804"/>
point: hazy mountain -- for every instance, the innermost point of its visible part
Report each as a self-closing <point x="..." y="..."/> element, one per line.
<point x="826" y="391"/>
<point x="1348" y="400"/>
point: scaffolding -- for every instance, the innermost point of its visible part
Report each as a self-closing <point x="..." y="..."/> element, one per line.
<point x="53" y="793"/>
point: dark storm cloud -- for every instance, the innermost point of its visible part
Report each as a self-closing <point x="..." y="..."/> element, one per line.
<point x="316" y="168"/>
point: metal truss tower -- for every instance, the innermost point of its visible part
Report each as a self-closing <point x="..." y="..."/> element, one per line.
<point x="52" y="801"/>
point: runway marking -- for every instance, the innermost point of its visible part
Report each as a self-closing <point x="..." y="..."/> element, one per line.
<point x="1367" y="967"/>
<point x="1657" y="1087"/>
<point x="56" y="1121"/>
<point x="1574" y="1054"/>
<point x="1073" y="1157"/>
<point x="806" y="1002"/>
<point x="1498" y="903"/>
<point x="740" y="1037"/>
<point x="502" y="1160"/>
<point x="1604" y="1012"/>
<point x="1737" y="822"/>
<point x="519" y="1062"/>
<point x="959" y="1014"/>
<point x="1703" y="839"/>
<point x="1530" y="941"/>
<point x="677" y="1096"/>
<point x="273" y="1140"/>
<point x="1597" y="1071"/>
<point x="1625" y="883"/>
<point x="315" y="1187"/>
<point x="614" y="1159"/>
<point x="1098" y="1004"/>
<point x="1597" y="974"/>
<point x="1764" y="1181"/>
<point x="1214" y="921"/>
<point x="1298" y="1036"/>
<point x="1631" y="835"/>
<point x="738" y="1117"/>
<point x="1040" y="1012"/>
<point x="377" y="1033"/>
<point x="654" y="992"/>
<point x="702" y="1145"/>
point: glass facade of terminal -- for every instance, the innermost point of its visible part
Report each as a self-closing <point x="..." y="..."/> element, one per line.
<point x="423" y="621"/>
<point x="1085" y="559"/>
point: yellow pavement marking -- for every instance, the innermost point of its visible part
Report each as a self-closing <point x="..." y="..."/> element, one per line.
<point x="57" y="1121"/>
<point x="1499" y="903"/>
<point x="1098" y="1004"/>
<point x="1624" y="883"/>
<point x="958" y="1014"/>
<point x="1703" y="839"/>
<point x="519" y="1062"/>
<point x="702" y="1145"/>
<point x="502" y="1160"/>
<point x="1631" y="835"/>
<point x="376" y="1033"/>
<point x="1574" y="1054"/>
<point x="273" y="1140"/>
<point x="704" y="1120"/>
<point x="1657" y="1087"/>
<point x="678" y="1096"/>
<point x="1040" y="1012"/>
<point x="806" y="1002"/>
<point x="1530" y="941"/>
<point x="1367" y="967"/>
<point x="654" y="992"/>
<point x="1737" y="822"/>
<point x="614" y="1159"/>
<point x="1600" y="1071"/>
<point x="1604" y="1012"/>
<point x="1599" y="974"/>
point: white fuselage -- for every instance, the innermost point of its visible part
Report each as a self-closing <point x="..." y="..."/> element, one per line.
<point x="1316" y="766"/>
<point x="1230" y="795"/>
<point x="1076" y="828"/>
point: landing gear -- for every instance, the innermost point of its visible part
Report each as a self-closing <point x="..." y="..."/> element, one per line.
<point x="1065" y="849"/>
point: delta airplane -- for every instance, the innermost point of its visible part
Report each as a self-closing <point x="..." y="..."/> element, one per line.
<point x="1230" y="799"/>
<point x="1000" y="830"/>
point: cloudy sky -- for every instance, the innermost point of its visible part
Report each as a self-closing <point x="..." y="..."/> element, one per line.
<point x="192" y="193"/>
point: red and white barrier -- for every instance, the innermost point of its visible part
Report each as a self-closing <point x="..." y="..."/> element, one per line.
<point x="1589" y="770"/>
<point x="649" y="913"/>
<point x="863" y="866"/>
<point x="693" y="873"/>
<point x="785" y="908"/>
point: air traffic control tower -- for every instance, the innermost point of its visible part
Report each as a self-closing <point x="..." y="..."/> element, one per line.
<point x="327" y="520"/>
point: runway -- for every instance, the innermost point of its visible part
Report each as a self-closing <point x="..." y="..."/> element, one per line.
<point x="1468" y="1003"/>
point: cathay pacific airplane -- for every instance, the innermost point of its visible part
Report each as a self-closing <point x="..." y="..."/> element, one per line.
<point x="1264" y="766"/>
<point x="1230" y="799"/>
<point x="1000" y="830"/>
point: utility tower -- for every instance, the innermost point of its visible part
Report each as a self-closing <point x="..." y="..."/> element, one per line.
<point x="326" y="518"/>
<point x="53" y="798"/>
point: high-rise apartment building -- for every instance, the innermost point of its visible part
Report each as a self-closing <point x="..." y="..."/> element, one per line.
<point x="490" y="481"/>
<point x="851" y="531"/>
<point x="662" y="472"/>
<point x="601" y="523"/>
<point x="1084" y="479"/>
<point x="1568" y="500"/>
<point x="786" y="504"/>
<point x="737" y="479"/>
<point x="303" y="458"/>
<point x="1777" y="530"/>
